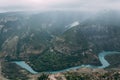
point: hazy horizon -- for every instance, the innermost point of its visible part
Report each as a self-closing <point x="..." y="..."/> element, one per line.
<point x="81" y="5"/>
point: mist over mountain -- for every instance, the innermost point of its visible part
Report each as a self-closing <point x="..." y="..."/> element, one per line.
<point x="56" y="40"/>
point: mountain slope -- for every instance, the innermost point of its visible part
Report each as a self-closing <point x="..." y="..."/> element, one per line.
<point x="43" y="42"/>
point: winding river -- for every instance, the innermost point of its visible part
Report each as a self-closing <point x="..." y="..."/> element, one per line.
<point x="101" y="57"/>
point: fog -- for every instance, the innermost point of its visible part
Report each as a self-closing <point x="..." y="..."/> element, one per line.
<point x="41" y="5"/>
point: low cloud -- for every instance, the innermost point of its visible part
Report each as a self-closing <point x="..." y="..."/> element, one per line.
<point x="85" y="5"/>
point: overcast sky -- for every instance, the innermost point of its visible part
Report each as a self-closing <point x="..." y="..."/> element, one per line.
<point x="84" y="5"/>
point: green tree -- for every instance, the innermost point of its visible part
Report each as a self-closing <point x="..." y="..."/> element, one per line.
<point x="43" y="77"/>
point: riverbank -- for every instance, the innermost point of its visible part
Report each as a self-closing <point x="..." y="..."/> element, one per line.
<point x="101" y="57"/>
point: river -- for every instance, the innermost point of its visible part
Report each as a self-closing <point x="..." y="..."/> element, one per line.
<point x="101" y="57"/>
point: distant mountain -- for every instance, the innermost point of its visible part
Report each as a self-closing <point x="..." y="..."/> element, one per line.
<point x="33" y="31"/>
<point x="57" y="40"/>
<point x="94" y="35"/>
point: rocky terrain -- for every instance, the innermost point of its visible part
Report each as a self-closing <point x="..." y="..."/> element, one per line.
<point x="83" y="74"/>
